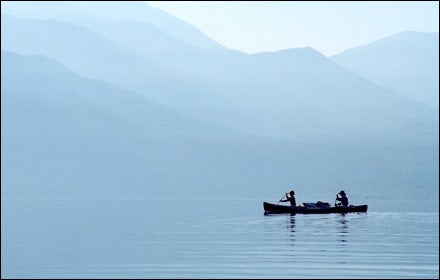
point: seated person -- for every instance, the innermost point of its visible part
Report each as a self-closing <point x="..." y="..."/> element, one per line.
<point x="290" y="197"/>
<point x="343" y="199"/>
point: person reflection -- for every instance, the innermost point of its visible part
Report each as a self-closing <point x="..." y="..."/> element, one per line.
<point x="342" y="228"/>
<point x="291" y="228"/>
<point x="292" y="222"/>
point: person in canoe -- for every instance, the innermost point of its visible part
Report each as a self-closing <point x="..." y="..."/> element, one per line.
<point x="290" y="197"/>
<point x="343" y="199"/>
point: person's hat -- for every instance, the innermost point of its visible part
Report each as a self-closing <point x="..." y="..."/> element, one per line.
<point x="341" y="192"/>
<point x="292" y="192"/>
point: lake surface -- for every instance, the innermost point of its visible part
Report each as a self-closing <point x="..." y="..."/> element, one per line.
<point x="211" y="239"/>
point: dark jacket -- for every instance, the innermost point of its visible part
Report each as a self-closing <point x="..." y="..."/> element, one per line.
<point x="343" y="199"/>
<point x="290" y="198"/>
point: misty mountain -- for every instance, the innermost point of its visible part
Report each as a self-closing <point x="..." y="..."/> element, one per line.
<point x="141" y="37"/>
<point x="302" y="92"/>
<point x="139" y="65"/>
<point x="63" y="134"/>
<point x="100" y="58"/>
<point x="81" y="49"/>
<point x="294" y="94"/>
<point x="139" y="12"/>
<point x="67" y="136"/>
<point x="406" y="62"/>
<point x="168" y="115"/>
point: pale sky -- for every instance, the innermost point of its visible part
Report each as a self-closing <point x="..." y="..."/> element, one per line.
<point x="329" y="27"/>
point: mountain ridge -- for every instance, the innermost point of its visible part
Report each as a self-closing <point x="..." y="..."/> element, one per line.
<point x="310" y="111"/>
<point x="406" y="62"/>
<point x="136" y="11"/>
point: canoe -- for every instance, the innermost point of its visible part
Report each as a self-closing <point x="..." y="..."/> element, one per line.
<point x="270" y="208"/>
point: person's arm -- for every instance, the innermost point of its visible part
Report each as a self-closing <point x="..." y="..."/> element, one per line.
<point x="287" y="198"/>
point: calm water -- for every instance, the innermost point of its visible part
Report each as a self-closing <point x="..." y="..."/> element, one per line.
<point x="211" y="239"/>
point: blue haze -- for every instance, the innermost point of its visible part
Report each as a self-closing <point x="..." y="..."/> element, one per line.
<point x="406" y="62"/>
<point x="128" y="105"/>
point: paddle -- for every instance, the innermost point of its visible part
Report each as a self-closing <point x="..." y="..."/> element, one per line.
<point x="281" y="199"/>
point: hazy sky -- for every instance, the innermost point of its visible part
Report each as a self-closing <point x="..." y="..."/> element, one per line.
<point x="329" y="27"/>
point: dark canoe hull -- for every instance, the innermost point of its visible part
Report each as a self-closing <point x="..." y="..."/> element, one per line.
<point x="270" y="208"/>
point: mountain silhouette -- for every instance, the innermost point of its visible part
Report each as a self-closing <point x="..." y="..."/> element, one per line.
<point x="406" y="62"/>
<point x="290" y="94"/>
<point x="115" y="10"/>
<point x="142" y="109"/>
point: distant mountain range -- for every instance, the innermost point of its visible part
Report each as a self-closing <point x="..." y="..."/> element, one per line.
<point x="63" y="134"/>
<point x="135" y="100"/>
<point x="282" y="94"/>
<point x="139" y="12"/>
<point x="407" y="63"/>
